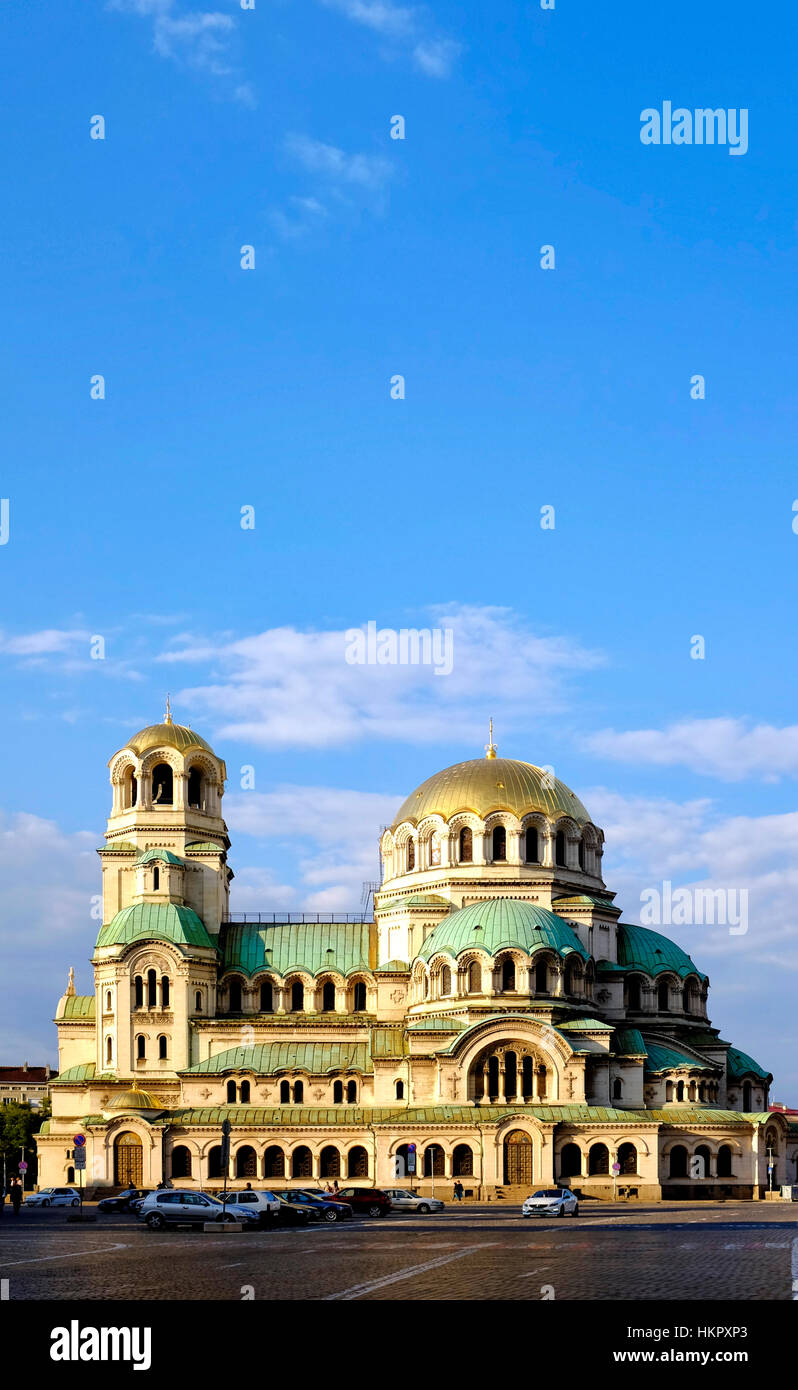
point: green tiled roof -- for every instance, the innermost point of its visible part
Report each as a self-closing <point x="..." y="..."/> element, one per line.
<point x="739" y="1064"/>
<point x="266" y="1059"/>
<point x="649" y="951"/>
<point x="85" y="1071"/>
<point x="395" y="967"/>
<point x="466" y="1115"/>
<point x="118" y="847"/>
<point x="587" y="900"/>
<point x="315" y="947"/>
<point x="661" y="1058"/>
<point x="78" y="1006"/>
<point x="628" y="1042"/>
<point x="415" y="900"/>
<point x="162" y="921"/>
<point x="388" y="1042"/>
<point x="164" y="855"/>
<point x="500" y="923"/>
<point x="436" y="1025"/>
<point x="203" y="846"/>
<point x="586" y="1025"/>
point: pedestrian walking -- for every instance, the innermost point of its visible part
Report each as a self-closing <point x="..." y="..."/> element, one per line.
<point x="16" y="1195"/>
<point x="458" y="1191"/>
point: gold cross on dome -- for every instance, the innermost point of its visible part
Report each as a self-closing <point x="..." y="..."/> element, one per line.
<point x="490" y="748"/>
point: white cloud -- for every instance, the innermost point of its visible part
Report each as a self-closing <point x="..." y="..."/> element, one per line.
<point x="288" y="688"/>
<point x="728" y="748"/>
<point x="406" y="27"/>
<point x="47" y="642"/>
<point x="436" y="57"/>
<point x="392" y="21"/>
<point x="202" y="39"/>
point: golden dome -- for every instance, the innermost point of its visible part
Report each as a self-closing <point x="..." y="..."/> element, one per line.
<point x="483" y="785"/>
<point x="134" y="1099"/>
<point x="168" y="736"/>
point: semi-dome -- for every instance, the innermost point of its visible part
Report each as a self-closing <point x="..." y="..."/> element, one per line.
<point x="134" y="1099"/>
<point x="483" y="785"/>
<point x="158" y="921"/>
<point x="500" y="924"/>
<point x="642" y="949"/>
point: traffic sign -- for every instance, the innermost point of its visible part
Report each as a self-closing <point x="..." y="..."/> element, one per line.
<point x="80" y="1158"/>
<point x="79" y="1140"/>
<point x="23" y="1167"/>
<point x="616" y="1167"/>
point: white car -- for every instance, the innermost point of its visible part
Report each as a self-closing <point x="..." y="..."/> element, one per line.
<point x="53" y="1197"/>
<point x="402" y="1199"/>
<point x="184" y="1207"/>
<point x="551" y="1201"/>
<point x="265" y="1206"/>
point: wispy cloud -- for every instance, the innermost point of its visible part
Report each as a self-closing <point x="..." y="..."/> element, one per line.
<point x="200" y="39"/>
<point x="406" y="28"/>
<point x="342" y="183"/>
<point x="731" y="749"/>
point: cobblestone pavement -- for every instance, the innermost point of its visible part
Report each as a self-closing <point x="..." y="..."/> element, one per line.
<point x="612" y="1251"/>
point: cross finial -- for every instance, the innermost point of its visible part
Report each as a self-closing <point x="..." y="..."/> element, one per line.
<point x="70" y="989"/>
<point x="168" y="715"/>
<point x="490" y="748"/>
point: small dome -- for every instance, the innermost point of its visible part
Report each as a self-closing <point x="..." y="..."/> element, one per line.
<point x="159" y="921"/>
<point x="135" y="1099"/>
<point x="483" y="785"/>
<point x="165" y="856"/>
<point x="499" y="924"/>
<point x="168" y="736"/>
<point x="642" y="949"/>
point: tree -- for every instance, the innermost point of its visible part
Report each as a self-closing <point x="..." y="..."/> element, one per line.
<point x="18" y="1125"/>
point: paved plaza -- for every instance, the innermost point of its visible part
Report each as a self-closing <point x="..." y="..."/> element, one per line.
<point x="612" y="1251"/>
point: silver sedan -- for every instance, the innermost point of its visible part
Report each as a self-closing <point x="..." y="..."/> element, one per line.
<point x="404" y="1200"/>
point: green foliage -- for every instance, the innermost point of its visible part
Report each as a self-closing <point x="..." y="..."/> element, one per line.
<point x="18" y="1124"/>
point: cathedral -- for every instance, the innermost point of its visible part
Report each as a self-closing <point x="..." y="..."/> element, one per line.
<point x="495" y="1023"/>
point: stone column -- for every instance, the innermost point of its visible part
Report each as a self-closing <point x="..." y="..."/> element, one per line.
<point x="478" y="843"/>
<point x="514" y="855"/>
<point x="547" y="837"/>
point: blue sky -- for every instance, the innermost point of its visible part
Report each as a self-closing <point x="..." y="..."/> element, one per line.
<point x="524" y="388"/>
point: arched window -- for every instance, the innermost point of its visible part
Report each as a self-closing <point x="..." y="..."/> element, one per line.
<point x="244" y="1092"/>
<point x="297" y="997"/>
<point x="164" y="991"/>
<point x="581" y="853"/>
<point x="351" y="1093"/>
<point x="299" y="1092"/>
<point x="194" y="789"/>
<point x="162" y="785"/>
<point x="508" y="973"/>
<point x="466" y="846"/>
<point x="598" y="1160"/>
<point x="571" y="1161"/>
<point x="724" y="1161"/>
<point x="162" y="1046"/>
<point x="138" y="992"/>
<point x="198" y="1002"/>
<point x="634" y="994"/>
<point x="338" y="1092"/>
<point x="108" y="1001"/>
<point x="267" y="997"/>
<point x="746" y="1095"/>
<point x="686" y="999"/>
<point x="663" y="996"/>
<point x="152" y="989"/>
<point x="231" y="1093"/>
<point x="109" y="1050"/>
<point x="399" y="1088"/>
<point x="678" y="1161"/>
<point x="680" y="1090"/>
<point x="246" y="1162"/>
<point x="357" y="1162"/>
<point x="559" y="849"/>
<point x="474" y="977"/>
<point x="301" y="1162"/>
<point x="411" y="854"/>
<point x="627" y="1157"/>
<point x="499" y="844"/>
<point x="463" y="1161"/>
<point x="141" y="1046"/>
<point x="700" y="1161"/>
<point x="156" y="878"/>
<point x="531" y="846"/>
<point x="234" y="996"/>
<point x="433" y="1161"/>
<point x="285" y="1093"/>
<point x="328" y="997"/>
<point x="329" y="1162"/>
<point x="70" y="1175"/>
<point x="617" y="1089"/>
<point x="360" y="997"/>
<point x="274" y="1162"/>
<point x="668" y="1090"/>
<point x="446" y="980"/>
<point x="215" y="1162"/>
<point x="181" y="1162"/>
<point x="541" y="976"/>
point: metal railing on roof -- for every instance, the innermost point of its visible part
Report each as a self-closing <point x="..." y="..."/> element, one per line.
<point x="283" y="918"/>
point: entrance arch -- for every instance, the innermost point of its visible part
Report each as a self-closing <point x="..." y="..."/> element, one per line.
<point x="518" y="1159"/>
<point x="128" y="1160"/>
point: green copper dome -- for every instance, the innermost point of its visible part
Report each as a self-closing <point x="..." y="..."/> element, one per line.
<point x="501" y="923"/>
<point x="646" y="950"/>
<point x="162" y="921"/>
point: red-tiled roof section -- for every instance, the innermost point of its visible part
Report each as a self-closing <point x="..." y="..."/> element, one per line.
<point x="25" y="1076"/>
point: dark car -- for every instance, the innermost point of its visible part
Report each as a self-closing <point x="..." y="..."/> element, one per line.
<point x="124" y="1201"/>
<point x="365" y="1201"/>
<point x="293" y="1213"/>
<point x="320" y="1206"/>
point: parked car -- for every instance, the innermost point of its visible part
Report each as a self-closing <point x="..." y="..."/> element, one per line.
<point x="364" y="1201"/>
<point x="53" y="1197"/>
<point x="293" y="1213"/>
<point x="402" y="1199"/>
<point x="124" y="1201"/>
<point x="187" y="1208"/>
<point x="320" y="1206"/>
<point x="551" y="1201"/>
<point x="264" y="1205"/>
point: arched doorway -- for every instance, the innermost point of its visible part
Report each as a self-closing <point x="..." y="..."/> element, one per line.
<point x="128" y="1160"/>
<point x="518" y="1158"/>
